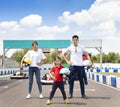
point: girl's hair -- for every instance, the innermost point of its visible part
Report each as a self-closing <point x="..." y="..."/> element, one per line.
<point x="34" y="42"/>
<point x="57" y="57"/>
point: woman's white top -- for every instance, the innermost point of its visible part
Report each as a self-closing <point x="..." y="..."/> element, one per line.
<point x="35" y="56"/>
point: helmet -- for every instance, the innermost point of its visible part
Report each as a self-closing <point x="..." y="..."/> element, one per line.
<point x="27" y="61"/>
<point x="17" y="73"/>
<point x="65" y="71"/>
<point x="86" y="63"/>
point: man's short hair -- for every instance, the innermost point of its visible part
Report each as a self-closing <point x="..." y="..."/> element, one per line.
<point x="75" y="36"/>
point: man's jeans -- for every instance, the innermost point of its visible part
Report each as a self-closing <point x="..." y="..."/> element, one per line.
<point x="76" y="73"/>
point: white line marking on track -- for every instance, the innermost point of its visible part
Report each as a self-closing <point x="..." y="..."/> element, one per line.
<point x="5" y="87"/>
<point x="79" y="90"/>
<point x="105" y="85"/>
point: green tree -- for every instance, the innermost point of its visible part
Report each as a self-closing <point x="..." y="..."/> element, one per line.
<point x="113" y="57"/>
<point x="19" y="54"/>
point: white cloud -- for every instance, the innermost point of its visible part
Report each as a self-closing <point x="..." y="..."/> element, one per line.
<point x="6" y="27"/>
<point x="79" y="33"/>
<point x="80" y="18"/>
<point x="32" y="20"/>
<point x="100" y="13"/>
<point x="52" y="29"/>
<point x="110" y="44"/>
<point x="29" y="28"/>
<point x="107" y="27"/>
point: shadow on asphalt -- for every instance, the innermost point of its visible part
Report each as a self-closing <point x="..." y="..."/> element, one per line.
<point x="5" y="82"/>
<point x="107" y="98"/>
<point x="71" y="103"/>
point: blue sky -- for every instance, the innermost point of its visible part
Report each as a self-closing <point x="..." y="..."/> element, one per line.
<point x="48" y="9"/>
<point x="61" y="19"/>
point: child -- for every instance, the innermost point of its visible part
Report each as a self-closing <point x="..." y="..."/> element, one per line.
<point x="58" y="81"/>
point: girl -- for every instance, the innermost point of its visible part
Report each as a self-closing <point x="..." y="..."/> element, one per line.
<point x="58" y="80"/>
<point x="36" y="56"/>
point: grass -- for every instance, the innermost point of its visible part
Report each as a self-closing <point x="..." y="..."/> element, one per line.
<point x="109" y="73"/>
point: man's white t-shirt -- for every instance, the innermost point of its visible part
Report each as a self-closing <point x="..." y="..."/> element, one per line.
<point x="76" y="54"/>
<point x="35" y="56"/>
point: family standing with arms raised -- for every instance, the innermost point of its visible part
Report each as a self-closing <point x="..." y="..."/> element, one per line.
<point x="76" y="68"/>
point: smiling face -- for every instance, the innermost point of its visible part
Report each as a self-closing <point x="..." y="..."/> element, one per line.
<point x="35" y="46"/>
<point x="57" y="61"/>
<point x="75" y="41"/>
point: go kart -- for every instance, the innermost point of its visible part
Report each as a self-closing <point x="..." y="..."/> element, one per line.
<point x="19" y="75"/>
<point x="47" y="80"/>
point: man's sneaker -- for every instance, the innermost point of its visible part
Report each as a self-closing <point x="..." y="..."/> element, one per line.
<point x="66" y="101"/>
<point x="70" y="97"/>
<point x="84" y="97"/>
<point x="28" y="96"/>
<point x="41" y="96"/>
<point x="48" y="102"/>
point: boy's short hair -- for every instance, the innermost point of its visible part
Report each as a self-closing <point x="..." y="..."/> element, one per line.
<point x="75" y="36"/>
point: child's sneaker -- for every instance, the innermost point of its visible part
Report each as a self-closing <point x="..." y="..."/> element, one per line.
<point x="41" y="96"/>
<point x="66" y="101"/>
<point x="48" y="102"/>
<point x="28" y="96"/>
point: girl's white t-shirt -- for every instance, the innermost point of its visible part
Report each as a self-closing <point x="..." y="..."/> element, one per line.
<point x="35" y="56"/>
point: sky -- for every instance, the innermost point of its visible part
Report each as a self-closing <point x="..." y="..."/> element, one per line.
<point x="61" y="19"/>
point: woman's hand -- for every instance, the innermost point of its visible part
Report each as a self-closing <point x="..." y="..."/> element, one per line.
<point x="39" y="64"/>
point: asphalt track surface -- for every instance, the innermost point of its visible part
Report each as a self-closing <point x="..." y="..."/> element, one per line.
<point x="13" y="93"/>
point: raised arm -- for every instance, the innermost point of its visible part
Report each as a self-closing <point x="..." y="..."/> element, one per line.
<point x="65" y="58"/>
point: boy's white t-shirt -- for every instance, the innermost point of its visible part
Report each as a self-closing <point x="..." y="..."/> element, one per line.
<point x="76" y="54"/>
<point x="35" y="56"/>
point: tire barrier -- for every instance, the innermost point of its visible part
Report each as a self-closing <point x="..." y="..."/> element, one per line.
<point x="106" y="70"/>
<point x="8" y="71"/>
<point x="91" y="74"/>
<point x="110" y="80"/>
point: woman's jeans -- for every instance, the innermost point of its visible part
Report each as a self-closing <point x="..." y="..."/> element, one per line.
<point x="35" y="70"/>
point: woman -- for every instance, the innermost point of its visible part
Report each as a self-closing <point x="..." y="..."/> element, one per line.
<point x="36" y="56"/>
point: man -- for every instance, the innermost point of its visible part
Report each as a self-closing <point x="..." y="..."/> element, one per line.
<point x="76" y="67"/>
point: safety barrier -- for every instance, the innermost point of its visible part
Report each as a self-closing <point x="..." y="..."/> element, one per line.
<point x="13" y="70"/>
<point x="8" y="71"/>
<point x="92" y="74"/>
<point x="107" y="70"/>
<point x="105" y="79"/>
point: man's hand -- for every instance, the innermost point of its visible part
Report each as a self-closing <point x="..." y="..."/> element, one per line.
<point x="69" y="62"/>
